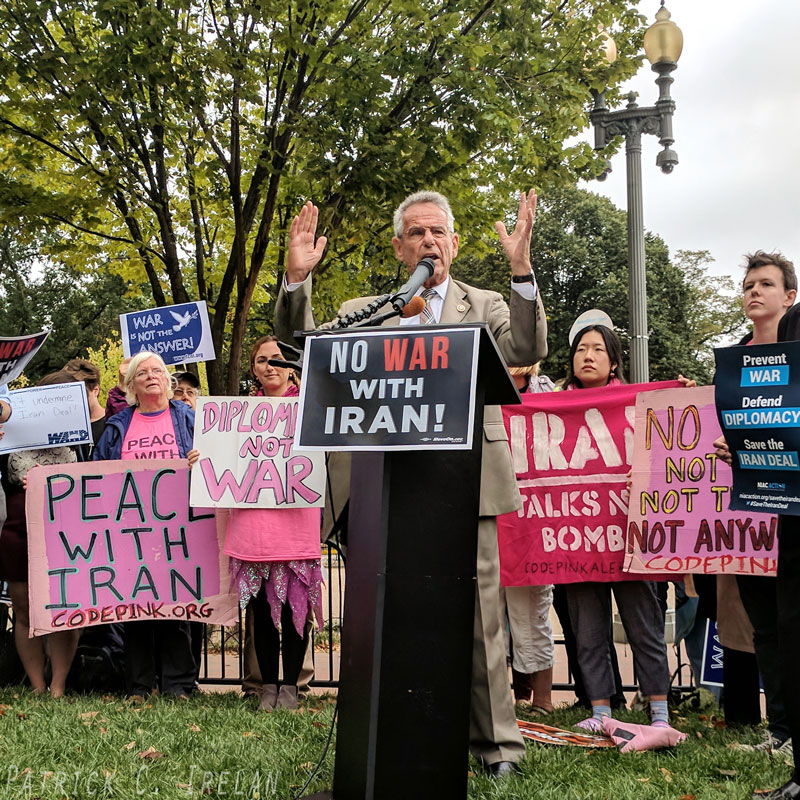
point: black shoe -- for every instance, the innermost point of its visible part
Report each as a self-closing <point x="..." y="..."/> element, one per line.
<point x="789" y="791"/>
<point x="502" y="769"/>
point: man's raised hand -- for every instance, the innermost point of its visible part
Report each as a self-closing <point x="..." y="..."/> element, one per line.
<point x="305" y="251"/>
<point x="518" y="244"/>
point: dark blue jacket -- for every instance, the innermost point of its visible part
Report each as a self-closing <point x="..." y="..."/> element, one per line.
<point x="109" y="447"/>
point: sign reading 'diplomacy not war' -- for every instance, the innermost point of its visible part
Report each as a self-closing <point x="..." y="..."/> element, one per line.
<point x="179" y="334"/>
<point x="116" y="541"/>
<point x="389" y="389"/>
<point x="16" y="352"/>
<point x="678" y="518"/>
<point x="758" y="402"/>
<point x="247" y="458"/>
<point x="47" y="416"/>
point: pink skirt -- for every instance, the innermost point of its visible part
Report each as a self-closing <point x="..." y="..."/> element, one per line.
<point x="298" y="582"/>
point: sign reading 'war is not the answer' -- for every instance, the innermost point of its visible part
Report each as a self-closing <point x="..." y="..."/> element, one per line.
<point x="180" y="334"/>
<point x="389" y="389"/>
<point x="247" y="458"/>
<point x="758" y="402"/>
<point x="116" y="541"/>
<point x="571" y="453"/>
<point x="679" y="519"/>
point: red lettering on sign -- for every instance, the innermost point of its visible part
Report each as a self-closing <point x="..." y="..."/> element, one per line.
<point x="418" y="356"/>
<point x="394" y="354"/>
<point x="439" y="352"/>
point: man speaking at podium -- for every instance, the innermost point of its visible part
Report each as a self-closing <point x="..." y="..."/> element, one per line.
<point x="424" y="229"/>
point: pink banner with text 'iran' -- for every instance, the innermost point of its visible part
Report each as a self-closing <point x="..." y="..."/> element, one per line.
<point x="571" y="453"/>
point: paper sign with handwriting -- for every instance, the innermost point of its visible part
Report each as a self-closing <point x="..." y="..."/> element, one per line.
<point x="247" y="456"/>
<point x="116" y="541"/>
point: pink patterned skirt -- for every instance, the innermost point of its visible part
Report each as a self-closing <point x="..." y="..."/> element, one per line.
<point x="298" y="583"/>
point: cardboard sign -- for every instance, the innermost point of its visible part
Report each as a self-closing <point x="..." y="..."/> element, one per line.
<point x="678" y="519"/>
<point x="547" y="734"/>
<point x="758" y="400"/>
<point x="247" y="459"/>
<point x="116" y="541"/>
<point x="571" y="453"/>
<point x="16" y="352"/>
<point x="180" y="334"/>
<point x="389" y="389"/>
<point x="47" y="416"/>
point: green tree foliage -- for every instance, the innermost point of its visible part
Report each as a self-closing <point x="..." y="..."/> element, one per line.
<point x="173" y="139"/>
<point x="579" y="252"/>
<point x="80" y="308"/>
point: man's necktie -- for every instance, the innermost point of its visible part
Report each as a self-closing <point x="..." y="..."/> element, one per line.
<point x="426" y="316"/>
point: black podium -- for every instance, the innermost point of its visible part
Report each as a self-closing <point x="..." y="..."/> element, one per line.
<point x="404" y="689"/>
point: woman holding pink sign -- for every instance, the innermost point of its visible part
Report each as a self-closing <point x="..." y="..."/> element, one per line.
<point x="157" y="652"/>
<point x="275" y="561"/>
<point x="595" y="362"/>
<point x="61" y="646"/>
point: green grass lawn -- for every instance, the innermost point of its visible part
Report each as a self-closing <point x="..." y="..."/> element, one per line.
<point x="218" y="746"/>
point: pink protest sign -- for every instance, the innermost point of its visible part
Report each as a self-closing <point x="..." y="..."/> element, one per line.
<point x="247" y="456"/>
<point x="679" y="519"/>
<point x="571" y="454"/>
<point x="116" y="541"/>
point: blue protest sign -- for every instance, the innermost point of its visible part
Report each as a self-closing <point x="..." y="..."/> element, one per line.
<point x="758" y="404"/>
<point x="711" y="671"/>
<point x="180" y="334"/>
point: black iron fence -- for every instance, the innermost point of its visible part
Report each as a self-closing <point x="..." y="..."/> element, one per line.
<point x="223" y="649"/>
<point x="224" y="660"/>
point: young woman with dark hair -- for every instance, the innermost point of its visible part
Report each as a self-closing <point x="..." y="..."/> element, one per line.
<point x="595" y="362"/>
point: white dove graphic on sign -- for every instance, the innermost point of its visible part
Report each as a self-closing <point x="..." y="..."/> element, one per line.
<point x="182" y="319"/>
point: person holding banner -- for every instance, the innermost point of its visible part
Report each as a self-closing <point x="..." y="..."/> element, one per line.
<point x="157" y="652"/>
<point x="14" y="565"/>
<point x="5" y="415"/>
<point x="82" y="370"/>
<point x="275" y="562"/>
<point x="424" y="229"/>
<point x="528" y="607"/>
<point x="596" y="361"/>
<point x="770" y="288"/>
<point x="788" y="591"/>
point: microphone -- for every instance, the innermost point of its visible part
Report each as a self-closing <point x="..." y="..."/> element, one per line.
<point x="421" y="274"/>
<point x="292" y="358"/>
<point x="414" y="307"/>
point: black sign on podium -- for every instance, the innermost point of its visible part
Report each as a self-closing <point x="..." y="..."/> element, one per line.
<point x="389" y="389"/>
<point x="404" y="689"/>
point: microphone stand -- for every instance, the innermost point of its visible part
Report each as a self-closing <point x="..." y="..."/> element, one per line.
<point x="423" y="271"/>
<point x="376" y="321"/>
<point x="362" y="313"/>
